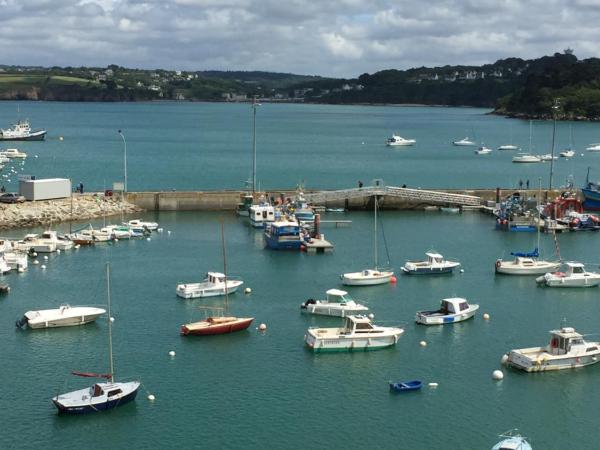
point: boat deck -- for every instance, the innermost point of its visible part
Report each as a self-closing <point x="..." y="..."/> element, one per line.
<point x="318" y="246"/>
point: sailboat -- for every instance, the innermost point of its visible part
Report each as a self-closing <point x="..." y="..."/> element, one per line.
<point x="510" y="146"/>
<point x="247" y="199"/>
<point x="569" y="152"/>
<point x="528" y="157"/>
<point x="528" y="263"/>
<point x="219" y="324"/>
<point x="369" y="277"/>
<point x="101" y="395"/>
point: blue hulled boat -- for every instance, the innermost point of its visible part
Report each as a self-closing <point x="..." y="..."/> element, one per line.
<point x="283" y="235"/>
<point x="404" y="386"/>
<point x="591" y="194"/>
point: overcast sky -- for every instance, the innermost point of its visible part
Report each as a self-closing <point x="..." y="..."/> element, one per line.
<point x="341" y="38"/>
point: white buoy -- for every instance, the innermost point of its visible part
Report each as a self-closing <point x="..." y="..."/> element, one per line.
<point x="58" y="251"/>
<point x="43" y="266"/>
<point x="34" y="254"/>
<point x="148" y="239"/>
<point x="486" y="316"/>
<point x="20" y="269"/>
<point x="497" y="375"/>
<point x="169" y="232"/>
<point x="159" y="230"/>
<point x="462" y="270"/>
<point x="262" y="327"/>
<point x="171" y="353"/>
<point x="77" y="245"/>
<point x="35" y="156"/>
<point x="371" y="316"/>
<point x="46" y="257"/>
<point x="423" y="344"/>
<point x="433" y="385"/>
<point x="504" y="359"/>
<point x="35" y="261"/>
<point x="112" y="319"/>
<point x="151" y="397"/>
<point x="247" y="291"/>
<point x="60" y="138"/>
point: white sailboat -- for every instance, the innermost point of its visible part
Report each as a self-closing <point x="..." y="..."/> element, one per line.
<point x="510" y="146"/>
<point x="528" y="263"/>
<point x="369" y="277"/>
<point x="103" y="395"/>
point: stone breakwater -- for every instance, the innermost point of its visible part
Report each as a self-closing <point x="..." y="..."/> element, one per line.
<point x="44" y="212"/>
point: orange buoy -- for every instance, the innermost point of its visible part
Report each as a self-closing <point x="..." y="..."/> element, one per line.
<point x="393" y="280"/>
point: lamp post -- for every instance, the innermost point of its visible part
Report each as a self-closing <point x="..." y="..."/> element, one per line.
<point x="124" y="160"/>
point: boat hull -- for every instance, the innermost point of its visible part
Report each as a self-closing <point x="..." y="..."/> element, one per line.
<point x="355" y="279"/>
<point x="566" y="283"/>
<point x="351" y="344"/>
<point x="324" y="310"/>
<point x="89" y="407"/>
<point x="282" y="244"/>
<point x="591" y="199"/>
<point x="220" y="328"/>
<point x="192" y="291"/>
<point x="513" y="269"/>
<point x="544" y="363"/>
<point x="35" y="136"/>
<point x="429" y="271"/>
<point x="430" y="319"/>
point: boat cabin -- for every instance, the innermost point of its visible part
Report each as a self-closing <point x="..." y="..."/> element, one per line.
<point x="284" y="228"/>
<point x="358" y="324"/>
<point x="453" y="305"/>
<point x="434" y="258"/>
<point x="262" y="213"/>
<point x="565" y="340"/>
<point x="574" y="268"/>
<point x="338" y="296"/>
<point x="215" y="277"/>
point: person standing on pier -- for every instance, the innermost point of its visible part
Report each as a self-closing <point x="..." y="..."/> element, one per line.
<point x="520" y="184"/>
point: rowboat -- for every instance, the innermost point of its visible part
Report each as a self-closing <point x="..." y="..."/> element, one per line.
<point x="404" y="386"/>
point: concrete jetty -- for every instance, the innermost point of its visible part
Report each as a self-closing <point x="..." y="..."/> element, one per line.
<point x="81" y="207"/>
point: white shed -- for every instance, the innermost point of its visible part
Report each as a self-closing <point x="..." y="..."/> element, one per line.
<point x="45" y="189"/>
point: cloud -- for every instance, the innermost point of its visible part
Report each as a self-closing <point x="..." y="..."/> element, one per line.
<point x="331" y="38"/>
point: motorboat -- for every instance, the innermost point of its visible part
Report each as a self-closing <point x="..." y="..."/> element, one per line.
<point x="405" y="386"/>
<point x="140" y="225"/>
<point x="338" y="303"/>
<point x="118" y="231"/>
<point x="32" y="243"/>
<point x="508" y="147"/>
<point x="593" y="148"/>
<point x="548" y="157"/>
<point x="567" y="153"/>
<point x="13" y="153"/>
<point x="82" y="239"/>
<point x="465" y="142"/>
<point x="581" y="222"/>
<point x="102" y="395"/>
<point x="52" y="237"/>
<point x="261" y="214"/>
<point x="369" y="277"/>
<point x="512" y="440"/>
<point x="243" y="208"/>
<point x="213" y="285"/>
<point x="399" y="141"/>
<point x="358" y="334"/>
<point x="526" y="158"/>
<point x="4" y="267"/>
<point x="451" y="310"/>
<point x="483" y="150"/>
<point x="435" y="264"/>
<point x="21" y="131"/>
<point x="16" y="260"/>
<point x="97" y="235"/>
<point x="216" y="325"/>
<point x="567" y="350"/>
<point x="65" y="316"/>
<point x="574" y="276"/>
<point x="283" y="235"/>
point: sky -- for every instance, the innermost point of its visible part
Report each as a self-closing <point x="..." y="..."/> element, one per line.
<point x="338" y="38"/>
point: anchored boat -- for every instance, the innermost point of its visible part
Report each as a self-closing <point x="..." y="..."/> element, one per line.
<point x="65" y="316"/>
<point x="338" y="303"/>
<point x="21" y="131"/>
<point x="358" y="334"/>
<point x="567" y="350"/>
<point x="512" y="440"/>
<point x="574" y="276"/>
<point x="399" y="141"/>
<point x="435" y="264"/>
<point x="214" y="284"/>
<point x="451" y="310"/>
<point x="405" y="386"/>
<point x="464" y="142"/>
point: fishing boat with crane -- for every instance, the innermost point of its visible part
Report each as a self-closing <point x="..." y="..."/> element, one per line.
<point x="21" y="131"/>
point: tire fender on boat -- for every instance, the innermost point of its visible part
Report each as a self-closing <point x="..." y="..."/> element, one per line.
<point x="498" y="264"/>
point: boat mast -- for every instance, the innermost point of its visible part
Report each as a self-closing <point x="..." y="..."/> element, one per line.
<point x="110" y="352"/>
<point x="530" y="132"/>
<point x="539" y="213"/>
<point x="554" y="109"/>
<point x="224" y="264"/>
<point x="254" y="105"/>
<point x="375" y="231"/>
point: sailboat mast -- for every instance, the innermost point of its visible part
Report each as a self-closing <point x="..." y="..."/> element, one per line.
<point x="530" y="133"/>
<point x="224" y="264"/>
<point x="110" y="351"/>
<point x="375" y="232"/>
<point x="539" y="213"/>
<point x="254" y="146"/>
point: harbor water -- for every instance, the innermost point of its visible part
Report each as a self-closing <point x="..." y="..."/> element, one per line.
<point x="256" y="389"/>
<point x="199" y="146"/>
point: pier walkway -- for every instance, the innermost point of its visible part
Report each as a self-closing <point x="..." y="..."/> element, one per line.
<point x="403" y="194"/>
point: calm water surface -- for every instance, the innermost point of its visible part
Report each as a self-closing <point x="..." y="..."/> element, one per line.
<point x="194" y="146"/>
<point x="253" y="390"/>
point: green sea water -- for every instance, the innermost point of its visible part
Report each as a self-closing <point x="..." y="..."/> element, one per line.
<point x="266" y="389"/>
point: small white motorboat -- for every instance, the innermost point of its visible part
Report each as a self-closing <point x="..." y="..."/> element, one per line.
<point x="508" y="147"/>
<point x="51" y="237"/>
<point x="358" y="334"/>
<point x="140" y="225"/>
<point x="261" y="214"/>
<point x="512" y="440"/>
<point x="13" y="153"/>
<point x="567" y="350"/>
<point x="399" y="141"/>
<point x="16" y="260"/>
<point x="567" y="153"/>
<point x="593" y="148"/>
<point x="435" y="264"/>
<point x="451" y="310"/>
<point x="65" y="316"/>
<point x="338" y="303"/>
<point x="548" y="157"/>
<point x="465" y="142"/>
<point x="483" y="150"/>
<point x="33" y="242"/>
<point x="574" y="276"/>
<point x="117" y="231"/>
<point x="526" y="158"/>
<point x="213" y="285"/>
<point x="97" y="235"/>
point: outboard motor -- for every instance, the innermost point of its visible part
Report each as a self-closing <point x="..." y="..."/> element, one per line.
<point x="310" y="301"/>
<point x="20" y="323"/>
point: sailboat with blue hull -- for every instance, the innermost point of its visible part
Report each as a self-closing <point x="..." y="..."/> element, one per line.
<point x="102" y="395"/>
